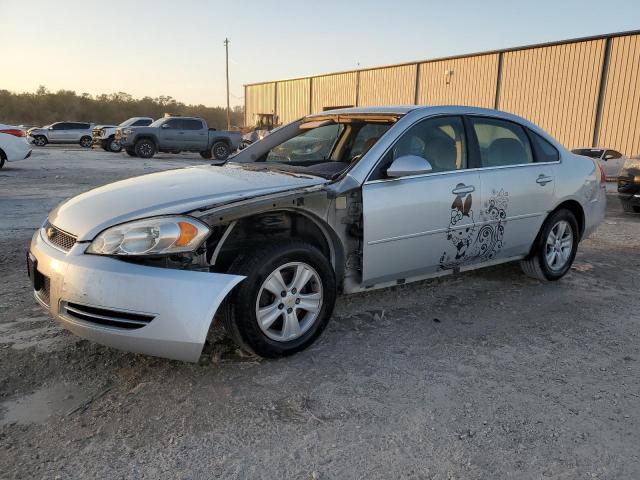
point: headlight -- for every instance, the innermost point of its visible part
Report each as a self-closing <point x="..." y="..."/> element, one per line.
<point x="152" y="236"/>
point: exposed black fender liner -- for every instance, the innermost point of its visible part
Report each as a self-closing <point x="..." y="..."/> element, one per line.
<point x="292" y="203"/>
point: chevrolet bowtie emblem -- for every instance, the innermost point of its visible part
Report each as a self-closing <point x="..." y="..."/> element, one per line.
<point x="50" y="232"/>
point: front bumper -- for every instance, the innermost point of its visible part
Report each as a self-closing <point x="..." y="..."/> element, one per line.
<point x="180" y="304"/>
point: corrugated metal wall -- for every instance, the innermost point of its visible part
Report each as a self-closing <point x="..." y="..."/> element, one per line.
<point x="293" y="99"/>
<point x="556" y="88"/>
<point x="620" y="121"/>
<point x="258" y="99"/>
<point x="388" y="86"/>
<point x="469" y="81"/>
<point x="333" y="91"/>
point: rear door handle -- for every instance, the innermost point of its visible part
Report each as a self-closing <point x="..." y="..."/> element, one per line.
<point x="461" y="188"/>
<point x="543" y="179"/>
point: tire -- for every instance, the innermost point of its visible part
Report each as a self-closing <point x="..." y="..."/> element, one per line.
<point x="145" y="148"/>
<point x="2" y="159"/>
<point x="86" y="142"/>
<point x="131" y="152"/>
<point x="112" y="145"/>
<point x="220" y="150"/>
<point x="205" y="154"/>
<point x="277" y="339"/>
<point x="40" y="140"/>
<point x="539" y="264"/>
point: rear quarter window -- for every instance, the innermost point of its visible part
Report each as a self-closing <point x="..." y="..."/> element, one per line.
<point x="543" y="150"/>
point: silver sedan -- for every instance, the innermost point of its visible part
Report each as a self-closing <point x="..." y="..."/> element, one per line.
<point x="335" y="203"/>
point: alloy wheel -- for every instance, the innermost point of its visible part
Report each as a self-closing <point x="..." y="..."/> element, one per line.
<point x="559" y="245"/>
<point x="289" y="301"/>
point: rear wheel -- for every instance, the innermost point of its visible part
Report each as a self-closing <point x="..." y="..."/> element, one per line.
<point x="220" y="150"/>
<point x="40" y="140"/>
<point x="131" y="152"/>
<point x="285" y="302"/>
<point x="2" y="159"/>
<point x="145" y="148"/>
<point x="555" y="248"/>
<point x="205" y="154"/>
<point x="86" y="142"/>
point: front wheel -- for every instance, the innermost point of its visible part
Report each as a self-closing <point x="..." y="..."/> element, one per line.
<point x="220" y="150"/>
<point x="205" y="154"/>
<point x="86" y="142"/>
<point x="40" y="141"/>
<point x="145" y="148"/>
<point x="285" y="301"/>
<point x="131" y="152"/>
<point x="555" y="247"/>
<point x="113" y="146"/>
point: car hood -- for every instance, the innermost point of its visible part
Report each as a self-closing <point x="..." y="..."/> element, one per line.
<point x="105" y="126"/>
<point x="166" y="193"/>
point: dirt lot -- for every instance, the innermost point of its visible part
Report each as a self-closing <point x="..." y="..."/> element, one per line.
<point x="484" y="375"/>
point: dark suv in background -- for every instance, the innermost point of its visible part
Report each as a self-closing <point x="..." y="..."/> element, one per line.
<point x="629" y="185"/>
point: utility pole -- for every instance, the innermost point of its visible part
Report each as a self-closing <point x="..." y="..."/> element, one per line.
<point x="226" y="47"/>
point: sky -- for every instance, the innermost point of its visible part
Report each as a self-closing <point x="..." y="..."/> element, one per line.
<point x="175" y="48"/>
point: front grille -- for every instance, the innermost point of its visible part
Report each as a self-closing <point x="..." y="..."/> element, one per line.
<point x="59" y="238"/>
<point x="106" y="317"/>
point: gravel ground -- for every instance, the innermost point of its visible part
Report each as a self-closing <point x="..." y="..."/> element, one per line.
<point x="484" y="375"/>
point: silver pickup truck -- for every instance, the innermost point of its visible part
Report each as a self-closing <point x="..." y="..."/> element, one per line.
<point x="177" y="134"/>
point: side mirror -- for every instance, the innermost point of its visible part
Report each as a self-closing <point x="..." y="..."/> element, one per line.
<point x="608" y="156"/>
<point x="408" y="165"/>
<point x="50" y="128"/>
<point x="164" y="125"/>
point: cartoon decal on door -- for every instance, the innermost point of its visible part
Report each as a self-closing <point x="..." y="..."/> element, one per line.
<point x="469" y="246"/>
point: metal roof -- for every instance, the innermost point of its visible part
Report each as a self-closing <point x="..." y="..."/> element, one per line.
<point x="465" y="55"/>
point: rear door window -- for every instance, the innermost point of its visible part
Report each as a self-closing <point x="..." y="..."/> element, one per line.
<point x="501" y="143"/>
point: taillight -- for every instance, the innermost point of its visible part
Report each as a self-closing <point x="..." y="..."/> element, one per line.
<point x="603" y="177"/>
<point x="13" y="131"/>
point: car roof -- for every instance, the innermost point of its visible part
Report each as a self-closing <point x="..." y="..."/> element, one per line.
<point x="400" y="110"/>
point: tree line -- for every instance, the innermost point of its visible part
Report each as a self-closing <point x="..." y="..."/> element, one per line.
<point x="44" y="107"/>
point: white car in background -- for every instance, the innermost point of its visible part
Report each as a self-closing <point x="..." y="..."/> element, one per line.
<point x="13" y="144"/>
<point x="611" y="161"/>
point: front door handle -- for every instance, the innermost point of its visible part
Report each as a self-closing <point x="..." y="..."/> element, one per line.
<point x="543" y="179"/>
<point x="461" y="188"/>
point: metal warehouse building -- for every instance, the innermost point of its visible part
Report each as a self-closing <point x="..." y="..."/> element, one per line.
<point x="585" y="92"/>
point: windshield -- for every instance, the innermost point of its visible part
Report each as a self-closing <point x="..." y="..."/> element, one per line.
<point x="128" y="122"/>
<point x="326" y="150"/>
